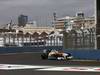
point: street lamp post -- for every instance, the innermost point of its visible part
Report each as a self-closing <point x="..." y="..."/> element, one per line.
<point x="98" y="23"/>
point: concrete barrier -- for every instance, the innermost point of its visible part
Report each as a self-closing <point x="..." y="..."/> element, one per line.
<point x="85" y="54"/>
<point x="89" y="54"/>
<point x="27" y="49"/>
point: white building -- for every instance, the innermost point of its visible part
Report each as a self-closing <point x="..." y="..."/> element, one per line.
<point x="77" y="22"/>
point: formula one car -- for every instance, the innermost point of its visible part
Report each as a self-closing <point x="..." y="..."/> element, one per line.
<point x="56" y="55"/>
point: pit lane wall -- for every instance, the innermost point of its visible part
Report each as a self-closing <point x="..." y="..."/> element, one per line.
<point x="89" y="54"/>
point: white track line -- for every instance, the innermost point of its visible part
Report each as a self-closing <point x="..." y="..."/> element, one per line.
<point x="49" y="68"/>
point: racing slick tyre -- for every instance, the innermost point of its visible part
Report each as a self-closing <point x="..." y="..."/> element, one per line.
<point x="44" y="56"/>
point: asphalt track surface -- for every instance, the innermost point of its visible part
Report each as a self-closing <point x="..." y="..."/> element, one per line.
<point x="34" y="59"/>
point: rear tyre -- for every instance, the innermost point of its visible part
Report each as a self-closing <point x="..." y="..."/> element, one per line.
<point x="44" y="56"/>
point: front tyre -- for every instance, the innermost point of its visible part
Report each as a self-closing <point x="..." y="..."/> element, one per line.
<point x="69" y="57"/>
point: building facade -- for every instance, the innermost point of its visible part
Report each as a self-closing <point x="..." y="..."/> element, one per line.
<point x="22" y="20"/>
<point x="77" y="22"/>
<point x="65" y="22"/>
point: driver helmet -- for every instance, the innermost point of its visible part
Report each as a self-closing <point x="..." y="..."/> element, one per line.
<point x="44" y="51"/>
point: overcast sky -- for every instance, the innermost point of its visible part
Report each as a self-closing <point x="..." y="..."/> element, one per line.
<point x="42" y="10"/>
